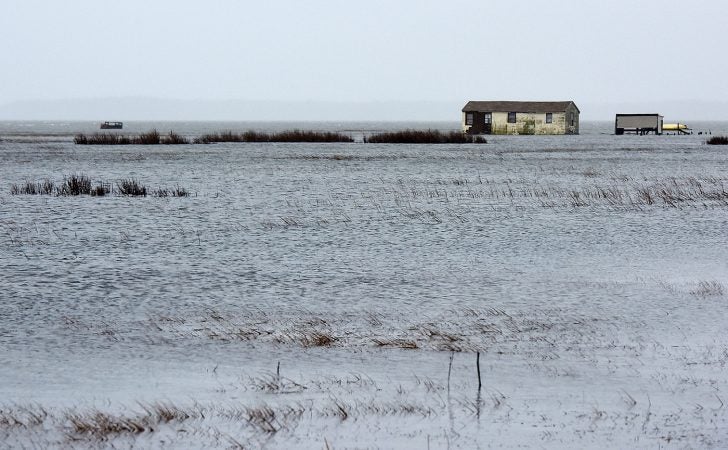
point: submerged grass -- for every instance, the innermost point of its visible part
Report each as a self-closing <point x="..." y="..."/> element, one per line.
<point x="174" y="192"/>
<point x="423" y="137"/>
<point x="102" y="139"/>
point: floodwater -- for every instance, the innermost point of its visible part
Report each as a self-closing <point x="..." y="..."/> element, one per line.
<point x="590" y="272"/>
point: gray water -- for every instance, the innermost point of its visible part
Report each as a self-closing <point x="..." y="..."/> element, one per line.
<point x="124" y="297"/>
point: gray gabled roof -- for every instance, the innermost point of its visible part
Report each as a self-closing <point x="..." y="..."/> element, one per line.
<point x="521" y="107"/>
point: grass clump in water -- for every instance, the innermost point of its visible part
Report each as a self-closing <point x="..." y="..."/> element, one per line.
<point x="176" y="192"/>
<point x="151" y="137"/>
<point x="82" y="185"/>
<point x="718" y="140"/>
<point x="131" y="187"/>
<point x="45" y="187"/>
<point x="423" y="137"/>
<point x="282" y="136"/>
<point x="75" y="185"/>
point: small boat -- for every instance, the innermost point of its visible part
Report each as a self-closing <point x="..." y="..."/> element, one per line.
<point x="112" y="125"/>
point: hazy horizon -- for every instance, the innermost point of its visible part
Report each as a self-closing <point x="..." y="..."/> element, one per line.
<point x="144" y="108"/>
<point x="407" y="60"/>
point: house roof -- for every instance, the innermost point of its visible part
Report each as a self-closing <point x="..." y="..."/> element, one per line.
<point x="522" y="107"/>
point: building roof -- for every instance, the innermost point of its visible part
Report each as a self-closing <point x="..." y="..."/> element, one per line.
<point x="522" y="107"/>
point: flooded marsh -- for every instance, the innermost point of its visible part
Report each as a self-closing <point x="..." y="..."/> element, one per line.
<point x="335" y="295"/>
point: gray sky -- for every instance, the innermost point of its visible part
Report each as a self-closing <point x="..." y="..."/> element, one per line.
<point x="366" y="51"/>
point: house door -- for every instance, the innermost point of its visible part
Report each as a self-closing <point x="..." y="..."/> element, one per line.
<point x="488" y="125"/>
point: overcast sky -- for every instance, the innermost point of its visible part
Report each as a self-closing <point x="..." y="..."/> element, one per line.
<point x="412" y="50"/>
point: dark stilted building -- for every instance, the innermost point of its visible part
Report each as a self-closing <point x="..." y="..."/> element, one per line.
<point x="638" y="124"/>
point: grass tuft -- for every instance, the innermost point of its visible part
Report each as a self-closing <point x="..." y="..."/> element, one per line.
<point x="75" y="185"/>
<point x="315" y="338"/>
<point x="101" y="189"/>
<point x="45" y="187"/>
<point x="131" y="187"/>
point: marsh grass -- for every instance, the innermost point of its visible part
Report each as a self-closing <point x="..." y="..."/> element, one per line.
<point x="24" y="416"/>
<point x="131" y="187"/>
<point x="708" y="289"/>
<point x="398" y="343"/>
<point x="102" y="139"/>
<point x="717" y="140"/>
<point x="174" y="139"/>
<point x="45" y="187"/>
<point x="395" y="137"/>
<point x="282" y="136"/>
<point x="102" y="425"/>
<point x="423" y="137"/>
<point x="101" y="189"/>
<point x="75" y="185"/>
<point x="174" y="192"/>
<point x="80" y="184"/>
<point x="467" y="331"/>
<point x="274" y="383"/>
<point x="151" y="137"/>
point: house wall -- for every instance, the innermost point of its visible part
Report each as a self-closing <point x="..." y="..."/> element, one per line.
<point x="478" y="126"/>
<point x="529" y="123"/>
<point x="569" y="128"/>
<point x="526" y="123"/>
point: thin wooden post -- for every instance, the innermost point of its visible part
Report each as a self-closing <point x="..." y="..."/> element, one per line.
<point x="449" y="370"/>
<point x="477" y="363"/>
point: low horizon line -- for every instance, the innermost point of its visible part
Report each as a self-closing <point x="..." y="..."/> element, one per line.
<point x="254" y="100"/>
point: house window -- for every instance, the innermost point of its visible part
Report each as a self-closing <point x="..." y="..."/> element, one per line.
<point x="469" y="119"/>
<point x="549" y="117"/>
<point x="488" y="118"/>
<point x="511" y="117"/>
